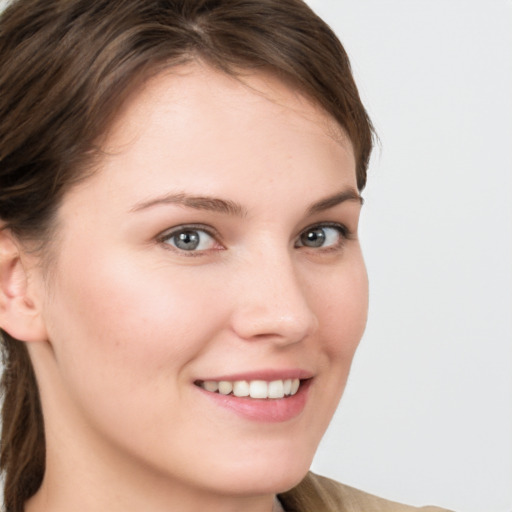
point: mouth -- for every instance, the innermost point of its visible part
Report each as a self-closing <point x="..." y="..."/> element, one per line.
<point x="259" y="397"/>
<point x="257" y="389"/>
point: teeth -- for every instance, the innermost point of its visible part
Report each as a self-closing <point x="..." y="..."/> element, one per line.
<point x="258" y="389"/>
<point x="211" y="385"/>
<point x="254" y="388"/>
<point x="241" y="388"/>
<point x="276" y="389"/>
<point x="225" y="387"/>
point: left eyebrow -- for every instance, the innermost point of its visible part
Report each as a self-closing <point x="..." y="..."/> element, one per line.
<point x="334" y="200"/>
<point x="213" y="204"/>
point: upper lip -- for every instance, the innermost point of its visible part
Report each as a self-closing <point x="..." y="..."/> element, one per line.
<point x="268" y="375"/>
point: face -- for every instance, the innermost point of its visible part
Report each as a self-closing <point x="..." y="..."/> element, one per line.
<point x="215" y="246"/>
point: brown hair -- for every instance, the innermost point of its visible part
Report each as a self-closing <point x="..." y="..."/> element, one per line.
<point x="65" y="68"/>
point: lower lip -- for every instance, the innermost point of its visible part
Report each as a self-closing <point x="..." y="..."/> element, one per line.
<point x="270" y="410"/>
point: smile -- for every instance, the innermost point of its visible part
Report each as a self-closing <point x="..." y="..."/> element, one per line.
<point x="260" y="389"/>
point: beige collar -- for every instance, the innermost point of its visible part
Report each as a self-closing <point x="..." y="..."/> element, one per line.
<point x="277" y="507"/>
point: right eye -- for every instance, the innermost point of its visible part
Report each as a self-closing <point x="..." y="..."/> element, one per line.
<point x="189" y="239"/>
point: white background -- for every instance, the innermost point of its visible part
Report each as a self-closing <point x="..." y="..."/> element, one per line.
<point x="427" y="415"/>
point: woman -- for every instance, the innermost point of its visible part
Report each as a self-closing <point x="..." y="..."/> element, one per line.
<point x="182" y="289"/>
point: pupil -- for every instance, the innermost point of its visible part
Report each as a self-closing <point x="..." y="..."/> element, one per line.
<point x="314" y="238"/>
<point x="188" y="240"/>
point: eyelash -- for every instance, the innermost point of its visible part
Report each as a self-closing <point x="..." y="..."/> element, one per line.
<point x="166" y="236"/>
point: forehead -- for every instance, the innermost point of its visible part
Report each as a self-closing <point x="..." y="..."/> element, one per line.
<point x="196" y="94"/>
<point x="197" y="130"/>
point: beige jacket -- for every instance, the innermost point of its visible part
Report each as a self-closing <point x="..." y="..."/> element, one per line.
<point x="318" y="494"/>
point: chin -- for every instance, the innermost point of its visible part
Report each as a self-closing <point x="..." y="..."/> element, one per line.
<point x="274" y="474"/>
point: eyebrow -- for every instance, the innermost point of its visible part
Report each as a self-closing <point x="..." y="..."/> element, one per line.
<point x="229" y="207"/>
<point x="212" y="204"/>
<point x="349" y="194"/>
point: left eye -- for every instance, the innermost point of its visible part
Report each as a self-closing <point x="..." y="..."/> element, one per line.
<point x="321" y="236"/>
<point x="190" y="239"/>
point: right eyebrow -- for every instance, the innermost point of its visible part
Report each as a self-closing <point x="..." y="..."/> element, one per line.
<point x="213" y="204"/>
<point x="348" y="194"/>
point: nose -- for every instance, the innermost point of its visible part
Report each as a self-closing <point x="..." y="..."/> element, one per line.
<point x="272" y="301"/>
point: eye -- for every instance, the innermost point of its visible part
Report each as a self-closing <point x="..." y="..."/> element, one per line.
<point x="324" y="236"/>
<point x="189" y="239"/>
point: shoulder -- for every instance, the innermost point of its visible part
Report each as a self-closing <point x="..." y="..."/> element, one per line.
<point x="319" y="494"/>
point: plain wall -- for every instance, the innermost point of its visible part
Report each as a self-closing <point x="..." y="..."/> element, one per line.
<point x="427" y="415"/>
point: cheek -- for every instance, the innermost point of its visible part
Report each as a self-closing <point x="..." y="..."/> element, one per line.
<point x="123" y="338"/>
<point x="125" y="319"/>
<point x="343" y="311"/>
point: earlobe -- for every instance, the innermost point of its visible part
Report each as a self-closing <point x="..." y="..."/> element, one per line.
<point x="20" y="315"/>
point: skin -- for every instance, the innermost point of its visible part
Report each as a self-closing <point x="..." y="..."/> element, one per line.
<point x="131" y="321"/>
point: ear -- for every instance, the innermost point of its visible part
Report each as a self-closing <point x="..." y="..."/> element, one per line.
<point x="20" y="315"/>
